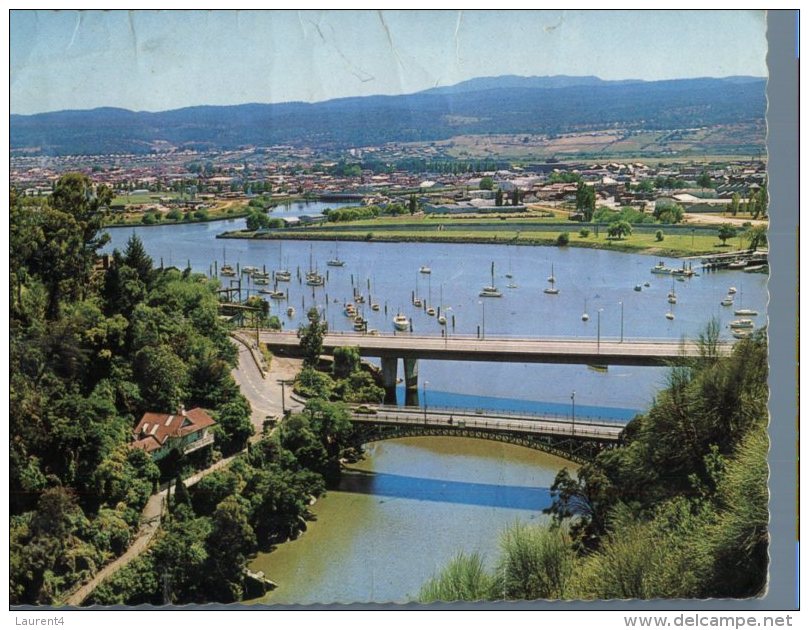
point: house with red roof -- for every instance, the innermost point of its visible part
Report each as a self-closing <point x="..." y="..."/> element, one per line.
<point x="160" y="433"/>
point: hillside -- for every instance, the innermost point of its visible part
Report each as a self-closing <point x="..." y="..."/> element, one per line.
<point x="495" y="105"/>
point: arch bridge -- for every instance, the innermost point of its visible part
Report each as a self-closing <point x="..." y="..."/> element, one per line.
<point x="578" y="440"/>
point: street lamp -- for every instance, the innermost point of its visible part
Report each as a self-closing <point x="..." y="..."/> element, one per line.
<point x="622" y="321"/>
<point x="573" y="413"/>
<point x="424" y="395"/>
<point x="598" y="337"/>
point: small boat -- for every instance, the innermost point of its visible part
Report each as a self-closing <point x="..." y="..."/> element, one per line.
<point x="431" y="311"/>
<point x="669" y="315"/>
<point x="277" y="295"/>
<point x="638" y="287"/>
<point x="249" y="270"/>
<point x="260" y="275"/>
<point x="742" y="323"/>
<point x="336" y="262"/>
<point x="748" y="312"/>
<point x="372" y="331"/>
<point x="741" y="334"/>
<point x="491" y="290"/>
<point x="598" y="367"/>
<point x="359" y="325"/>
<point x="737" y="264"/>
<point x="417" y="302"/>
<point x="315" y="280"/>
<point x="349" y="310"/>
<point x="374" y="306"/>
<point x="227" y="270"/>
<point x="283" y="276"/>
<point x="400" y="322"/>
<point x="260" y="280"/>
<point x="425" y="269"/>
<point x="731" y="290"/>
<point x="511" y="285"/>
<point x="585" y="316"/>
<point x="291" y="312"/>
<point x="442" y="320"/>
<point x="551" y="290"/>
<point x="359" y="298"/>
<point x="727" y="301"/>
<point x="647" y="284"/>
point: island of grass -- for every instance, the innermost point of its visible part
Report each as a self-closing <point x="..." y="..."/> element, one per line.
<point x="543" y="226"/>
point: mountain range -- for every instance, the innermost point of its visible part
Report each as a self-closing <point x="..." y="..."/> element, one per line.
<point x="487" y="105"/>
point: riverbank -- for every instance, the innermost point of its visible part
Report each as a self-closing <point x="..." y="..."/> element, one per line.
<point x="677" y="242"/>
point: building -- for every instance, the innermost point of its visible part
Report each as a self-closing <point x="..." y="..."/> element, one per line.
<point x="160" y="433"/>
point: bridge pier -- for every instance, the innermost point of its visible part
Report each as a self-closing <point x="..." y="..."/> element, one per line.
<point x="389" y="367"/>
<point x="411" y="367"/>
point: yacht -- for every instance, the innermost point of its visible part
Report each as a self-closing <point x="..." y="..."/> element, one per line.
<point x="551" y="290"/>
<point x="742" y="323"/>
<point x="585" y="315"/>
<point x="669" y="315"/>
<point x="741" y="334"/>
<point x="491" y="290"/>
<point x="227" y="270"/>
<point x="336" y="262"/>
<point x="748" y="312"/>
<point x="727" y="301"/>
<point x="400" y="322"/>
<point x="731" y="290"/>
<point x="425" y="269"/>
<point x="291" y="312"/>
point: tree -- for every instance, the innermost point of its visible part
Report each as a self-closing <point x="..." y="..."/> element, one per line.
<point x="486" y="183"/>
<point x="413" y="204"/>
<point x="234" y="422"/>
<point x="515" y="197"/>
<point x="231" y="540"/>
<point x="704" y="180"/>
<point x="619" y="229"/>
<point x="257" y="221"/>
<point x="757" y="236"/>
<point x="563" y="239"/>
<point x="498" y="198"/>
<point x="135" y="256"/>
<point x="734" y="204"/>
<point x="586" y="200"/>
<point x="659" y="235"/>
<point x="726" y="231"/>
<point x="346" y="361"/>
<point x="759" y="202"/>
<point x="311" y="338"/>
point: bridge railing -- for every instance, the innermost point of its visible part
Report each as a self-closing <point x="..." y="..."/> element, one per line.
<point x="488" y="337"/>
<point x="466" y="422"/>
<point x="504" y="413"/>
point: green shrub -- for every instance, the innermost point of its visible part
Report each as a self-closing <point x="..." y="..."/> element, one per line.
<point x="659" y="235"/>
<point x="563" y="239"/>
<point x="584" y="232"/>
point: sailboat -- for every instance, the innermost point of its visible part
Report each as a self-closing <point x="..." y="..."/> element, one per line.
<point x="552" y="290"/>
<point x="491" y="290"/>
<point x="747" y="312"/>
<point x="672" y="296"/>
<point x="585" y="315"/>
<point x="336" y="262"/>
<point x="313" y="278"/>
<point x="400" y="322"/>
<point x="226" y="269"/>
<point x="282" y="275"/>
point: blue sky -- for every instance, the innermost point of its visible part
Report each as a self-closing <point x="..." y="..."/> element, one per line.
<point x="150" y="60"/>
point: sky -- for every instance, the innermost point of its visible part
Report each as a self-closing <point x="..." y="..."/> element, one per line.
<point x="160" y="60"/>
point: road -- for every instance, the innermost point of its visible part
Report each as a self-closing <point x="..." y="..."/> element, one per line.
<point x="536" y="425"/>
<point x="504" y="349"/>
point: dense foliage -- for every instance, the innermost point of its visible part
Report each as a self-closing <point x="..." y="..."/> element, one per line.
<point x="92" y="349"/>
<point x="678" y="510"/>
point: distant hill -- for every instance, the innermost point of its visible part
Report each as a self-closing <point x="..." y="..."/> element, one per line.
<point x="507" y="104"/>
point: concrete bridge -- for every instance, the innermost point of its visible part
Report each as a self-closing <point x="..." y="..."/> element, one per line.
<point x="410" y="348"/>
<point x="577" y="439"/>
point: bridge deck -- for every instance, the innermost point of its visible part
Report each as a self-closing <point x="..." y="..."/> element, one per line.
<point x="522" y="424"/>
<point x="503" y="349"/>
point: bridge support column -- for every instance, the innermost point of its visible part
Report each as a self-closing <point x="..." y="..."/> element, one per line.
<point x="389" y="366"/>
<point x="411" y="368"/>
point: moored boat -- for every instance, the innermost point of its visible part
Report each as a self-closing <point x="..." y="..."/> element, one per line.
<point x="400" y="322"/>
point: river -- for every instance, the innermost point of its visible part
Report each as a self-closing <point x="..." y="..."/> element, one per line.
<point x="412" y="504"/>
<point x="403" y="512"/>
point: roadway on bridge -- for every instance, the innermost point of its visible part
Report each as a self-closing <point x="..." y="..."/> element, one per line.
<point x="488" y="421"/>
<point x="505" y="349"/>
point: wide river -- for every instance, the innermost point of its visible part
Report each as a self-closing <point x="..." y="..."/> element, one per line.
<point x="413" y="503"/>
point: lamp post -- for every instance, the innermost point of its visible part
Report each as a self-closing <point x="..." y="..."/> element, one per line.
<point x="283" y="397"/>
<point x="598" y="334"/>
<point x="573" y="413"/>
<point x="424" y="395"/>
<point x="622" y="321"/>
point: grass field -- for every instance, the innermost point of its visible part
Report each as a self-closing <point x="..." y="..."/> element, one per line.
<point x="518" y="231"/>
